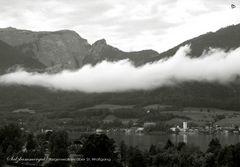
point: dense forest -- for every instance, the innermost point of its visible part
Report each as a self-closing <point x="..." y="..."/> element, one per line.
<point x="193" y="94"/>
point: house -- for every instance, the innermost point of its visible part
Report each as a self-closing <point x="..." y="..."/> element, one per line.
<point x="173" y="129"/>
<point x="77" y="142"/>
<point x="149" y="124"/>
<point x="99" y="131"/>
<point x="128" y="121"/>
<point x="138" y="123"/>
<point x="109" y="119"/>
<point x="49" y="131"/>
<point x="139" y="130"/>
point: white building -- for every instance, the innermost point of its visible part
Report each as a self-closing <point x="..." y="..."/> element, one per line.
<point x="149" y="124"/>
<point x="185" y="127"/>
<point x="139" y="130"/>
<point x="99" y="131"/>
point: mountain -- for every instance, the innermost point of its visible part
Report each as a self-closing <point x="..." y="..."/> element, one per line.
<point x="65" y="49"/>
<point x="226" y="38"/>
<point x="47" y="48"/>
<point x="100" y="51"/>
<point x="10" y="57"/>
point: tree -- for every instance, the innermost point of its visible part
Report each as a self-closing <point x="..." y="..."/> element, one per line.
<point x="137" y="159"/>
<point x="214" y="146"/>
<point x="213" y="150"/>
<point x="180" y="146"/>
<point x="42" y="142"/>
<point x="31" y="143"/>
<point x="2" y="158"/>
<point x="10" y="150"/>
<point x="225" y="157"/>
<point x="58" y="147"/>
<point x="229" y="156"/>
<point x="123" y="153"/>
<point x="189" y="156"/>
<point x="209" y="160"/>
<point x="98" y="147"/>
<point x="48" y="135"/>
<point x="152" y="149"/>
<point x="169" y="144"/>
<point x="236" y="155"/>
<point x="58" y="141"/>
<point x="169" y="158"/>
<point x="11" y="135"/>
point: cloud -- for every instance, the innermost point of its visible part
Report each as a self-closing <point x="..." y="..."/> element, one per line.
<point x="128" y="25"/>
<point x="216" y="65"/>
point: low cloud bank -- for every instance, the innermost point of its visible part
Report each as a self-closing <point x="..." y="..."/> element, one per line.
<point x="216" y="65"/>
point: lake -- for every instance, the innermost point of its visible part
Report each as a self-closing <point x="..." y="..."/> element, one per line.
<point x="200" y="140"/>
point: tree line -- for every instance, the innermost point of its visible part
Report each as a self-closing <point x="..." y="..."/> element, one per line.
<point x="98" y="150"/>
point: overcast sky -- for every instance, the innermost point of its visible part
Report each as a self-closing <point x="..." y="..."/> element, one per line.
<point x="127" y="24"/>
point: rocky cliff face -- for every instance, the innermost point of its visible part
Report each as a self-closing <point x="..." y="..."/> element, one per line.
<point x="100" y="51"/>
<point x="65" y="49"/>
<point x="11" y="58"/>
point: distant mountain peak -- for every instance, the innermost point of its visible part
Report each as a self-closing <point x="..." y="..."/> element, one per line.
<point x="100" y="42"/>
<point x="10" y="28"/>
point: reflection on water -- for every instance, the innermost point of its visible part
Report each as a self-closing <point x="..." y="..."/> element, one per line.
<point x="184" y="138"/>
<point x="200" y="140"/>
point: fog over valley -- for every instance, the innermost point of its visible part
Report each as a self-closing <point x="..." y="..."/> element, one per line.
<point x="214" y="65"/>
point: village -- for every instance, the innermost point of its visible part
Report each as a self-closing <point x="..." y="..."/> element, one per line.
<point x="130" y="120"/>
<point x="141" y="128"/>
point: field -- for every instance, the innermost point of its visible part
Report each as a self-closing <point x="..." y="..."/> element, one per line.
<point x="107" y="106"/>
<point x="203" y="116"/>
<point x="92" y="117"/>
<point x="197" y="116"/>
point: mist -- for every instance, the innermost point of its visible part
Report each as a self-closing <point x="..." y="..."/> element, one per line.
<point x="216" y="65"/>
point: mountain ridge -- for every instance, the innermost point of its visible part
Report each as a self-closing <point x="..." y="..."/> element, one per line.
<point x="197" y="94"/>
<point x="66" y="49"/>
<point x="225" y="38"/>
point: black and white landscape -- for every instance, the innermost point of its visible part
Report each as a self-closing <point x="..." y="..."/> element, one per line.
<point x="116" y="83"/>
